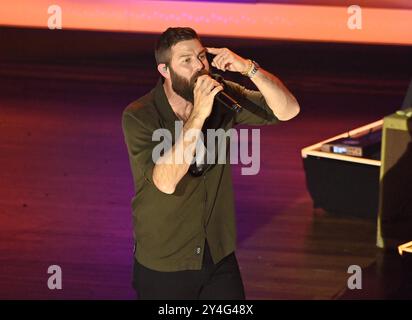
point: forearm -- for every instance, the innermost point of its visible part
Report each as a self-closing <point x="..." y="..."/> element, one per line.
<point x="277" y="96"/>
<point x="171" y="168"/>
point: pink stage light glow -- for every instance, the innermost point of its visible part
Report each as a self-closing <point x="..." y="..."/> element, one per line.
<point x="301" y="21"/>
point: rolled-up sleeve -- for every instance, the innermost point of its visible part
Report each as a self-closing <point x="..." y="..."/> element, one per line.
<point x="138" y="138"/>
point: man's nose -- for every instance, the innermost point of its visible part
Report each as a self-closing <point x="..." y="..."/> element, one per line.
<point x="199" y="65"/>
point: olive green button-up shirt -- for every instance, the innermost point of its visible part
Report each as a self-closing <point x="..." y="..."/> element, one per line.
<point x="170" y="229"/>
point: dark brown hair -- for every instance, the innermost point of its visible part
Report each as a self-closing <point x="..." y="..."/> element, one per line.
<point x="168" y="39"/>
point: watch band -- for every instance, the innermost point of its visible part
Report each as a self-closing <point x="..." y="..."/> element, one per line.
<point x="252" y="69"/>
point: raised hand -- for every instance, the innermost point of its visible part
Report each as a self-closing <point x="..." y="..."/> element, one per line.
<point x="226" y="59"/>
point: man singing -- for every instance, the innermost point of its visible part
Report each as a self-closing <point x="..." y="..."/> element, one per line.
<point x="184" y="224"/>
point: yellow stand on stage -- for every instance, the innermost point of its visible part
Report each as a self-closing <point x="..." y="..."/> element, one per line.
<point x="406" y="247"/>
<point x="395" y="193"/>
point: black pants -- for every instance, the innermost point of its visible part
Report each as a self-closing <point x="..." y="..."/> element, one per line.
<point x="213" y="282"/>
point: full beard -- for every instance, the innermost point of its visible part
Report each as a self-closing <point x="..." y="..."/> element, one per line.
<point x="184" y="87"/>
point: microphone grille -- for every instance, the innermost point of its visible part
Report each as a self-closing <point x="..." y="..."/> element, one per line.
<point x="217" y="77"/>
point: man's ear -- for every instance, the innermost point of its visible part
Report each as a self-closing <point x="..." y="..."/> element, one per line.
<point x="163" y="70"/>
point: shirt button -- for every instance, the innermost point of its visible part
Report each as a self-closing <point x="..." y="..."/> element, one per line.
<point x="198" y="250"/>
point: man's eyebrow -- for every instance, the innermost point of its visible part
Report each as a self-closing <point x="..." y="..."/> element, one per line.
<point x="189" y="54"/>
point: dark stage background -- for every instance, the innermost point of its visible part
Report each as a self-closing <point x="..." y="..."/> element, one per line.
<point x="65" y="181"/>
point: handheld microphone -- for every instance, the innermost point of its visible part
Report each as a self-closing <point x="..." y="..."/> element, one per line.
<point x="224" y="98"/>
<point x="218" y="119"/>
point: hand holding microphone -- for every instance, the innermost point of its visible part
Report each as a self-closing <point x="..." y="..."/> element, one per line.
<point x="206" y="86"/>
<point x="205" y="90"/>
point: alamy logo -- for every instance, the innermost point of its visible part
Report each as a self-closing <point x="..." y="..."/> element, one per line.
<point x="215" y="150"/>
<point x="355" y="19"/>
<point x="55" y="18"/>
<point x="55" y="280"/>
<point x="355" y="280"/>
